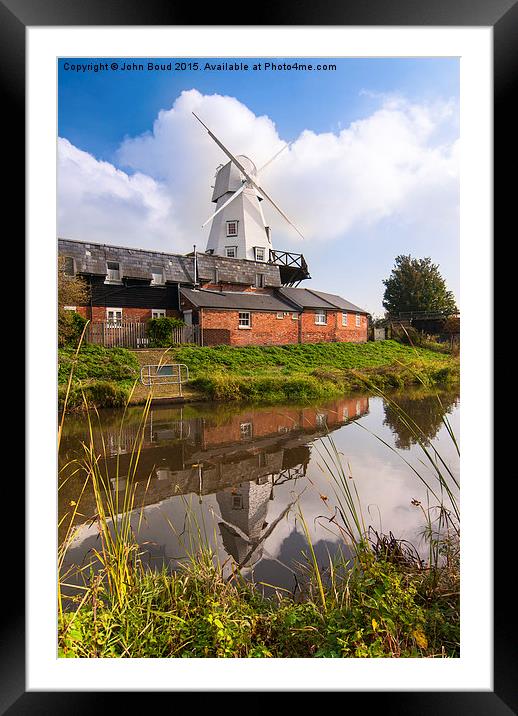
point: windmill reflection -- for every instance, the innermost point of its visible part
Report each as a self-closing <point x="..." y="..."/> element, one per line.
<point x="241" y="456"/>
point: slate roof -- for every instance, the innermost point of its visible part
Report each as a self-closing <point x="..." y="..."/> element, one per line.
<point x="308" y="298"/>
<point x="246" y="301"/>
<point x="177" y="268"/>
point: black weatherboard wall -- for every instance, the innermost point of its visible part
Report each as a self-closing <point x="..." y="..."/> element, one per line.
<point x="133" y="294"/>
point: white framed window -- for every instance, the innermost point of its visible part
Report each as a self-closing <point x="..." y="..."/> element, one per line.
<point x="231" y="252"/>
<point x="259" y="253"/>
<point x="246" y="431"/>
<point x="113" y="272"/>
<point x="114" y="317"/>
<point x="294" y="316"/>
<point x="237" y="502"/>
<point x="158" y="313"/>
<point x="321" y="420"/>
<point x="280" y="315"/>
<point x="321" y="318"/>
<point x="358" y="320"/>
<point x="69" y="308"/>
<point x="344" y="319"/>
<point x="245" y="319"/>
<point x="157" y="276"/>
<point x="232" y="228"/>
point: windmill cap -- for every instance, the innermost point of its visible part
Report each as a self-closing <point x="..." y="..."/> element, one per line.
<point x="229" y="178"/>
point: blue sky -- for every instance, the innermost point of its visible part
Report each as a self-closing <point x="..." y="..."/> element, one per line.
<point x="372" y="172"/>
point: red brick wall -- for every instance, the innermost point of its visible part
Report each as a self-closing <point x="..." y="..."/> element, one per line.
<point x="128" y="314"/>
<point x="352" y="332"/>
<point x="221" y="328"/>
<point x="266" y="330"/>
<point x="269" y="422"/>
<point x="333" y="330"/>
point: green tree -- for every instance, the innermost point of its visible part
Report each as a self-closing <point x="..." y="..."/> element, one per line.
<point x="72" y="291"/>
<point x="417" y="285"/>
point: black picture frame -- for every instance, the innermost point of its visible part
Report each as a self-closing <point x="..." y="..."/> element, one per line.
<point x="502" y="16"/>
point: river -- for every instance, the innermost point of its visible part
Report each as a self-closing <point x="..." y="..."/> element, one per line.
<point x="233" y="470"/>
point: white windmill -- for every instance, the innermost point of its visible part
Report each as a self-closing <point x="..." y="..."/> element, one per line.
<point x="238" y="227"/>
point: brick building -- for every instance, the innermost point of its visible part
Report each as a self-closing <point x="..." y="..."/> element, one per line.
<point x="232" y="301"/>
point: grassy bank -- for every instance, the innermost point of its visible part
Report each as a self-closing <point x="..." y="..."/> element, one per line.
<point x="104" y="375"/>
<point x="267" y="373"/>
<point x="312" y="371"/>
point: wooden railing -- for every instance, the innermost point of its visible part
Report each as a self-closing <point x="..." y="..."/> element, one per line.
<point x="287" y="258"/>
<point x="133" y="334"/>
<point x="422" y="315"/>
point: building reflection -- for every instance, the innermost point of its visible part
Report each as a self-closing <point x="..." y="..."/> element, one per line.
<point x="240" y="456"/>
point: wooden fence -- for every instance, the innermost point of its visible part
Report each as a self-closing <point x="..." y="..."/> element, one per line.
<point x="134" y="334"/>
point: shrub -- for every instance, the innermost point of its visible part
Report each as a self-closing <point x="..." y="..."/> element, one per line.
<point x="99" y="394"/>
<point x="160" y="329"/>
<point x="407" y="335"/>
<point x="70" y="327"/>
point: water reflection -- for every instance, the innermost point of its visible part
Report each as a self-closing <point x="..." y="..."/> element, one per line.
<point x="415" y="409"/>
<point x="244" y="467"/>
<point x="241" y="457"/>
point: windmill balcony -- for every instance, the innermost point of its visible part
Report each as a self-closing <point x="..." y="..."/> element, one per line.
<point x="293" y="267"/>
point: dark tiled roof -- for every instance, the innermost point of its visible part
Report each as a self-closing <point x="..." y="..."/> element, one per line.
<point x="338" y="301"/>
<point x="233" y="300"/>
<point x="308" y="298"/>
<point x="137" y="264"/>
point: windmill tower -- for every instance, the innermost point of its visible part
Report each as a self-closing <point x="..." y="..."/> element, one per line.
<point x="238" y="227"/>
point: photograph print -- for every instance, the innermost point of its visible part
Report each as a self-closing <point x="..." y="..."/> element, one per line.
<point x="258" y="357"/>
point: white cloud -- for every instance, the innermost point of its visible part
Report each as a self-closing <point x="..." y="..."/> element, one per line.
<point x="394" y="163"/>
<point x="98" y="202"/>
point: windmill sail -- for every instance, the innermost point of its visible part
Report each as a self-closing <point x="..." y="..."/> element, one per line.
<point x="250" y="181"/>
<point x="224" y="206"/>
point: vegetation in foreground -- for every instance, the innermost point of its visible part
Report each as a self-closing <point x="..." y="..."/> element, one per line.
<point x="373" y="607"/>
<point x="262" y="373"/>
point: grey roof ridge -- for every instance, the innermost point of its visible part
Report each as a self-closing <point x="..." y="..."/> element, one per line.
<point x="126" y="248"/>
<point x="296" y="305"/>
<point x="200" y="254"/>
<point x="206" y="290"/>
<point x="309" y="291"/>
<point x="315" y="293"/>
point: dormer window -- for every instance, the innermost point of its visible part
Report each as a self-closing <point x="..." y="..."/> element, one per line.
<point x="232" y="228"/>
<point x="259" y="253"/>
<point x="157" y="276"/>
<point x="113" y="274"/>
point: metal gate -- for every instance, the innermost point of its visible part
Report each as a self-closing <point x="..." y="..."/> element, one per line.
<point x="170" y="374"/>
